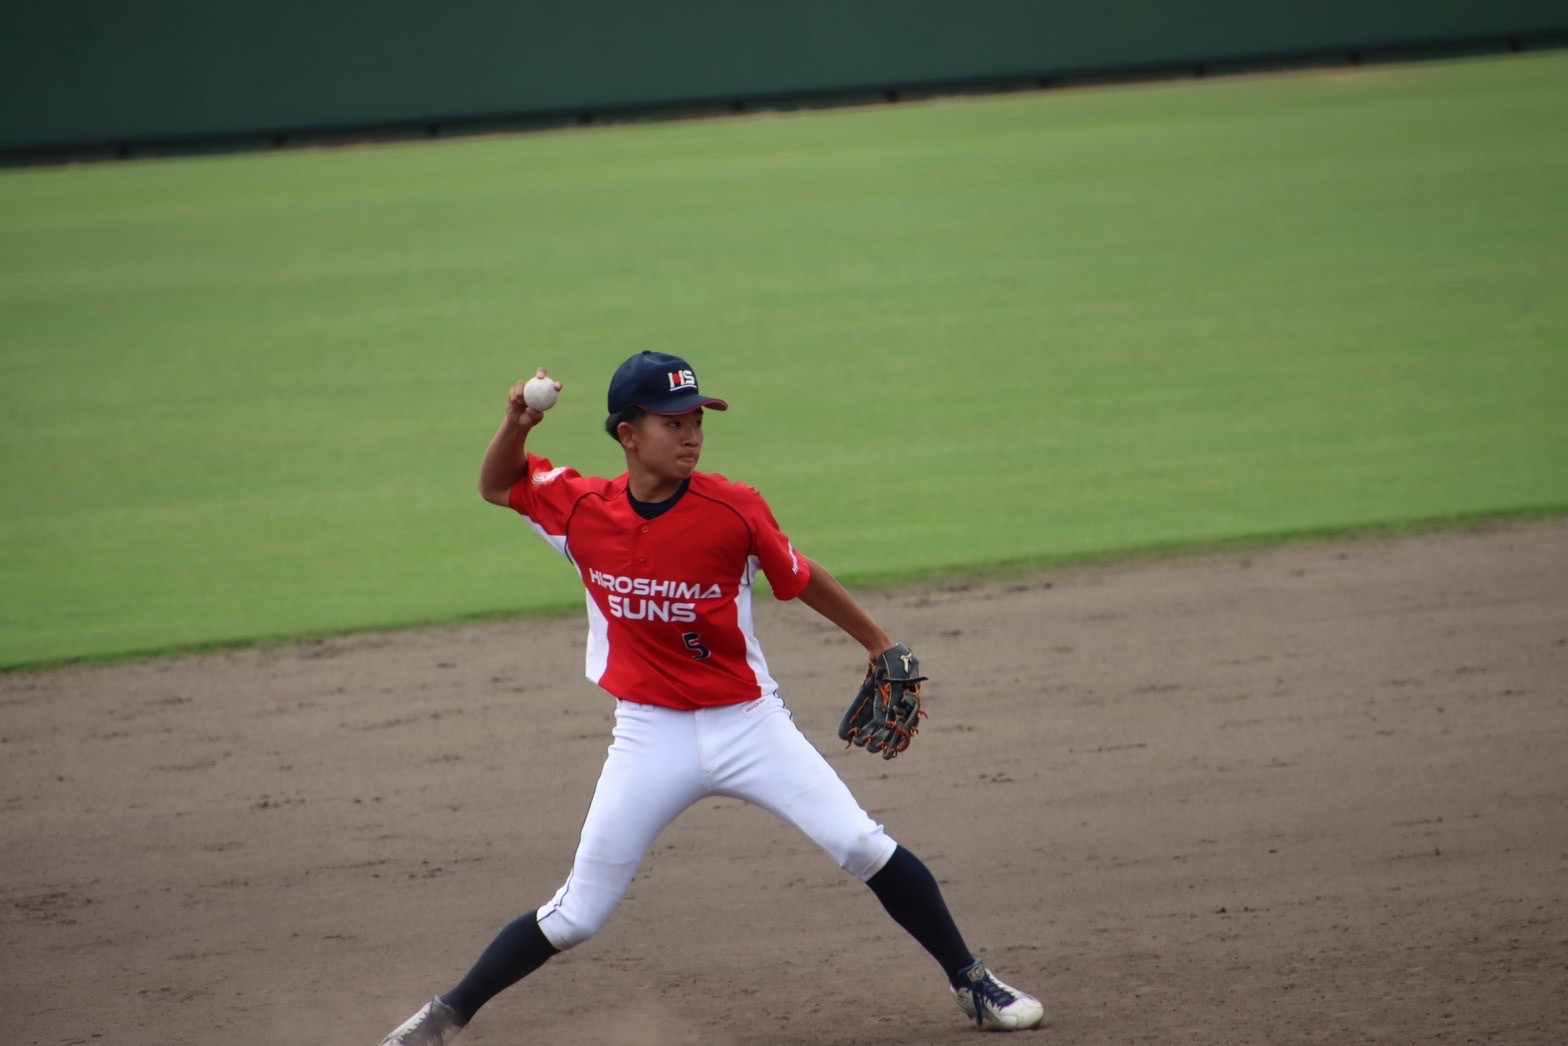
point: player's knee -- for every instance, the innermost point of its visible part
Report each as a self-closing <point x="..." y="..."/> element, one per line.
<point x="864" y="853"/>
<point x="576" y="913"/>
<point x="567" y="929"/>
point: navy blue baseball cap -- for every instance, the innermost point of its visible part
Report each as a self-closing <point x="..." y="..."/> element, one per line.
<point x="660" y="384"/>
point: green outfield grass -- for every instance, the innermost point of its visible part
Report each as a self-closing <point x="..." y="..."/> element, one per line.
<point x="245" y="397"/>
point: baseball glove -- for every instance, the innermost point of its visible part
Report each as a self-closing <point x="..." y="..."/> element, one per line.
<point x="885" y="712"/>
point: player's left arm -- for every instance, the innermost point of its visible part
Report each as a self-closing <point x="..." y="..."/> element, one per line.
<point x="884" y="714"/>
<point x="826" y="596"/>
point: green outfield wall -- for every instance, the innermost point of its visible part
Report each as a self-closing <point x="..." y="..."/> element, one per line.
<point x="117" y="73"/>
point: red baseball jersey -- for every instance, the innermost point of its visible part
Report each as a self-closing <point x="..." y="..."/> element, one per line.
<point x="669" y="599"/>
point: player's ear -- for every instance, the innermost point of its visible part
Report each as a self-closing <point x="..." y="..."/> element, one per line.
<point x="626" y="433"/>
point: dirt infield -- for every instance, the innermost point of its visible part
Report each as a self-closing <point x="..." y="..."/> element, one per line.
<point x="1313" y="794"/>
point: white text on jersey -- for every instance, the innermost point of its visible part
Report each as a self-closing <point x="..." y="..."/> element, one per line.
<point x="647" y="586"/>
<point x="663" y="600"/>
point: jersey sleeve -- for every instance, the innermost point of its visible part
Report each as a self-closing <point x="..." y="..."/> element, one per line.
<point x="545" y="497"/>
<point x="787" y="570"/>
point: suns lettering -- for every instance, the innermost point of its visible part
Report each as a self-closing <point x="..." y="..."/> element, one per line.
<point x="641" y="608"/>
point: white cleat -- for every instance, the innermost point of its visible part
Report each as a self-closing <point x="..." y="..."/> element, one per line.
<point x="434" y="1025"/>
<point x="995" y="1006"/>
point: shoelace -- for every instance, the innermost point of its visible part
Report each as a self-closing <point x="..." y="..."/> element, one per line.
<point x="986" y="989"/>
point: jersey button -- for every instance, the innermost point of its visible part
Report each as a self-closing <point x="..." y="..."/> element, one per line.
<point x="646" y="528"/>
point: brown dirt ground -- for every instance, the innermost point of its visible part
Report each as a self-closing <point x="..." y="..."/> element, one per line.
<point x="1309" y="794"/>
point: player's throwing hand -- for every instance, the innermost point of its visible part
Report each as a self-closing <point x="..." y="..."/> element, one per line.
<point x="528" y="400"/>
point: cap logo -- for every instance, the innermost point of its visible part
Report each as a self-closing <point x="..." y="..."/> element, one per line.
<point x="682" y="379"/>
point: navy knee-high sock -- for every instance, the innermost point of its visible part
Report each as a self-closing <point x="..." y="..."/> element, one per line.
<point x="909" y="892"/>
<point x="517" y="951"/>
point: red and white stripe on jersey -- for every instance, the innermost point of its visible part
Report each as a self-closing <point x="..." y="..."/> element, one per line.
<point x="669" y="599"/>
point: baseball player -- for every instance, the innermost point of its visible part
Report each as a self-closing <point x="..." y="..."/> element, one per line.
<point x="668" y="556"/>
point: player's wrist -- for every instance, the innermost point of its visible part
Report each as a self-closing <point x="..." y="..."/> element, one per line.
<point x="876" y="647"/>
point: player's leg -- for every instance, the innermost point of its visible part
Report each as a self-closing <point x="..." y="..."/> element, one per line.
<point x="649" y="776"/>
<point x="769" y="762"/>
<point x="757" y="754"/>
<point x="910" y="893"/>
<point x="518" y="950"/>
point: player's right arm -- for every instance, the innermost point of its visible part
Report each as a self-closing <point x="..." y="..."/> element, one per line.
<point x="506" y="460"/>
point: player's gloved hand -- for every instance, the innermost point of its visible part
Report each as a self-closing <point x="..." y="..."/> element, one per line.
<point x="885" y="712"/>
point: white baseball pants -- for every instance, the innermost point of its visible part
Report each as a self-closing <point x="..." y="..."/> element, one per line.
<point x="663" y="760"/>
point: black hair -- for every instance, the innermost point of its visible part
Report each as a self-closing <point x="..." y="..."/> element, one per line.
<point x="612" y="424"/>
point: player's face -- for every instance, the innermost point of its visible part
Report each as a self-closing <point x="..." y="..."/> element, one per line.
<point x="670" y="445"/>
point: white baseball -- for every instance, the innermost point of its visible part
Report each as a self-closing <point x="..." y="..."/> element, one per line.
<point x="539" y="393"/>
